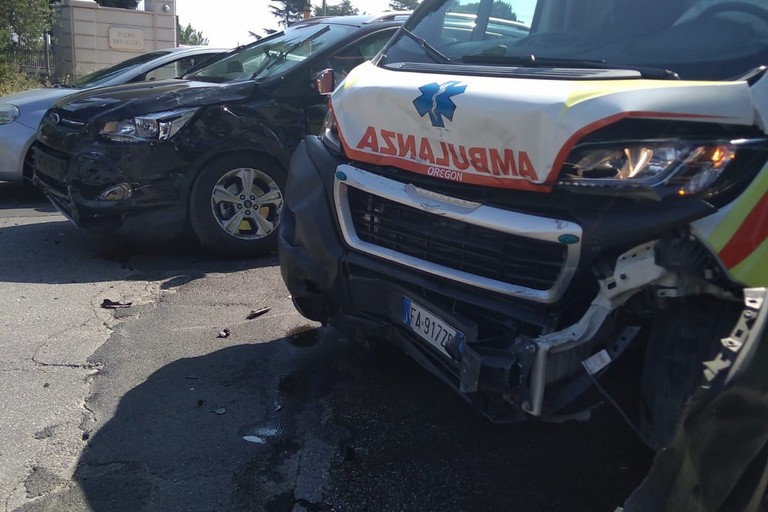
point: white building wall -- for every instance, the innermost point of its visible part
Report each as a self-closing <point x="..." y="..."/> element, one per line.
<point x="89" y="37"/>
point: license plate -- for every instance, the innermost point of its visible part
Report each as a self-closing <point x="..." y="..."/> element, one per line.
<point x="429" y="326"/>
<point x="49" y="166"/>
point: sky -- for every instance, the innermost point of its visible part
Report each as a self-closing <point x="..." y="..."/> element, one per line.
<point x="227" y="23"/>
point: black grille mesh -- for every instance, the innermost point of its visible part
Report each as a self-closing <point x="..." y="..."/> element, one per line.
<point x="454" y="244"/>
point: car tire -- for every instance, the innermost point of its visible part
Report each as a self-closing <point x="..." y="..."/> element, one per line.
<point x="680" y="340"/>
<point x="236" y="204"/>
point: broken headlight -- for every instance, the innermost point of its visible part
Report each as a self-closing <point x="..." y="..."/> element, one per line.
<point x="149" y="127"/>
<point x="661" y="168"/>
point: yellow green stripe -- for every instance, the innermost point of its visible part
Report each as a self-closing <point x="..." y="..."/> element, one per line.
<point x="753" y="270"/>
<point x="586" y="91"/>
<point x="741" y="208"/>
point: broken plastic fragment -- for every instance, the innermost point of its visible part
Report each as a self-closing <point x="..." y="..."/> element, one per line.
<point x="111" y="304"/>
<point x="219" y="411"/>
<point x="259" y="434"/>
<point x="255" y="439"/>
<point x="257" y="312"/>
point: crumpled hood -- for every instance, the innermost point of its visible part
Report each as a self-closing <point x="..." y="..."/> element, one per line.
<point x="507" y="132"/>
<point x="128" y="100"/>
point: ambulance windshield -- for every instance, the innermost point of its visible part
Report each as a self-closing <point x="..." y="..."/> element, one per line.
<point x="689" y="39"/>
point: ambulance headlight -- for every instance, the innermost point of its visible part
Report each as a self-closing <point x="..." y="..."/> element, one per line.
<point x="661" y="168"/>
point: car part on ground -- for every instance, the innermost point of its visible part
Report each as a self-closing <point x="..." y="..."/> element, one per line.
<point x="20" y="113"/>
<point x="207" y="153"/>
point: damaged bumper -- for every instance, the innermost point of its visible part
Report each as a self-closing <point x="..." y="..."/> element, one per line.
<point x="481" y="336"/>
<point x="718" y="458"/>
<point x="111" y="189"/>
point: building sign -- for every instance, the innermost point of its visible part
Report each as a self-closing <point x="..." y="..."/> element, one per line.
<point x="121" y="38"/>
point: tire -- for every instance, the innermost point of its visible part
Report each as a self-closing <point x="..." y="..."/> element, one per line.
<point x="236" y="204"/>
<point x="680" y="340"/>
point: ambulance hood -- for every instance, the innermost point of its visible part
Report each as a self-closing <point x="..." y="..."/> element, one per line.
<point x="508" y="132"/>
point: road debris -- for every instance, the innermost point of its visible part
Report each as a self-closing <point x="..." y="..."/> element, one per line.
<point x="219" y="410"/>
<point x="111" y="304"/>
<point x="224" y="333"/>
<point x="257" y="312"/>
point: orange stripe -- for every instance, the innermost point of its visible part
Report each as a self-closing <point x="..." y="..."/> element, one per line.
<point x="514" y="183"/>
<point x="752" y="232"/>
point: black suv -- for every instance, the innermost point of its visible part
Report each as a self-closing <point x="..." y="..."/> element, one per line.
<point x="208" y="151"/>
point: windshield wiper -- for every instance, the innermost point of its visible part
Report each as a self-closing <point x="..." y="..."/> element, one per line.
<point x="430" y="50"/>
<point x="532" y="61"/>
<point x="276" y="59"/>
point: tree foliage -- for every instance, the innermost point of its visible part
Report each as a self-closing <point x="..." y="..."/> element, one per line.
<point x="189" y="36"/>
<point x="24" y="22"/>
<point x="499" y="10"/>
<point x="121" y="4"/>
<point x="344" y="8"/>
<point x="404" y="5"/>
<point x="287" y="12"/>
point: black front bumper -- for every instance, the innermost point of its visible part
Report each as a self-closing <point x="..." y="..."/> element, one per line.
<point x="363" y="295"/>
<point x="154" y="211"/>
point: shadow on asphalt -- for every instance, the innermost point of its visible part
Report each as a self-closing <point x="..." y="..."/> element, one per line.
<point x="16" y="195"/>
<point x="334" y="427"/>
<point x="51" y="250"/>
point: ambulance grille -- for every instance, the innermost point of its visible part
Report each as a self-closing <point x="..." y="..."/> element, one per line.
<point x="476" y="250"/>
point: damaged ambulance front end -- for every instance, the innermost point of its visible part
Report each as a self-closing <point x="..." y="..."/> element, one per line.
<point x="520" y="193"/>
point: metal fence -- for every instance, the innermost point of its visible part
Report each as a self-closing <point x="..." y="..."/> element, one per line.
<point x="35" y="62"/>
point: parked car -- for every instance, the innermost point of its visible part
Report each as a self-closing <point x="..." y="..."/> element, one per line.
<point x="20" y="113"/>
<point x="209" y="151"/>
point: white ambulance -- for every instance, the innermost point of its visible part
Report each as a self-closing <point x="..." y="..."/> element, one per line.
<point x="523" y="193"/>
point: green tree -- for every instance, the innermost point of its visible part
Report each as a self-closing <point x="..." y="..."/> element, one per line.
<point x="499" y="10"/>
<point x="404" y="5"/>
<point x="23" y="22"/>
<point x="344" y="8"/>
<point x="288" y="12"/>
<point x="189" y="36"/>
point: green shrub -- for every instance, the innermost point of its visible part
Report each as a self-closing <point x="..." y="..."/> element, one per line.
<point x="13" y="79"/>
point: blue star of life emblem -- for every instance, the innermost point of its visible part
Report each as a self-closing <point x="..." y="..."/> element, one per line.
<point x="436" y="101"/>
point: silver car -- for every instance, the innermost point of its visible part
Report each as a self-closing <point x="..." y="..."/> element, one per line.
<point x="20" y="113"/>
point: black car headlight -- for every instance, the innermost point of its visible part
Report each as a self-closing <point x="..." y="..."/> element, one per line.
<point x="157" y="126"/>
<point x="661" y="168"/>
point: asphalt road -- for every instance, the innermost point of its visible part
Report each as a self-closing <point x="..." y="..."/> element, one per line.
<point x="151" y="408"/>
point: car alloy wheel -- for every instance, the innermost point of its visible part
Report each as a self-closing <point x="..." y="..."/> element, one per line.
<point x="236" y="204"/>
<point x="247" y="203"/>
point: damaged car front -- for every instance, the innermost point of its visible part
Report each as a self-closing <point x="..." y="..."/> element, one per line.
<point x="209" y="151"/>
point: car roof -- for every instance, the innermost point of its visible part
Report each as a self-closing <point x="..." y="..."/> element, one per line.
<point x="358" y="20"/>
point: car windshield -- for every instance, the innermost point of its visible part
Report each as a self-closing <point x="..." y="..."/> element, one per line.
<point x="693" y="39"/>
<point x="275" y="55"/>
<point x="101" y="76"/>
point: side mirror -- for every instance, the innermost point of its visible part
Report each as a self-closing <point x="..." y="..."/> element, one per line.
<point x="324" y="82"/>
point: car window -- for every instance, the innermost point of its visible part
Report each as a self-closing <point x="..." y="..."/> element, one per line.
<point x="173" y="69"/>
<point x="275" y="55"/>
<point x="103" y="75"/>
<point x="355" y="54"/>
